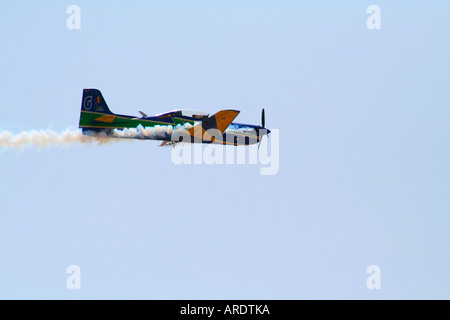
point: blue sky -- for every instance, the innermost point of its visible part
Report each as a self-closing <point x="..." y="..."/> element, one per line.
<point x="364" y="151"/>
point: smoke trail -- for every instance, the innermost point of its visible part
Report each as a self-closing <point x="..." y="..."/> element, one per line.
<point x="49" y="138"/>
<point x="155" y="133"/>
<point x="46" y="138"/>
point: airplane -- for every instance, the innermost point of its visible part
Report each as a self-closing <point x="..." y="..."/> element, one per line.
<point x="172" y="128"/>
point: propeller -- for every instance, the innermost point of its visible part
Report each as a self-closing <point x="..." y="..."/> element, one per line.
<point x="263" y="119"/>
<point x="263" y="124"/>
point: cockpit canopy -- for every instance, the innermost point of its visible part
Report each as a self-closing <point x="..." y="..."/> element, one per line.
<point x="185" y="112"/>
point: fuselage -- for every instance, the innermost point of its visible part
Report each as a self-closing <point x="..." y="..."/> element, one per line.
<point x="174" y="126"/>
<point x="112" y="125"/>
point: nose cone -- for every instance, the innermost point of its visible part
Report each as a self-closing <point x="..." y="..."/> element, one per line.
<point x="263" y="131"/>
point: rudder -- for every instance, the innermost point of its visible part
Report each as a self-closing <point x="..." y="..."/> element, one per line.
<point x="93" y="101"/>
<point x="92" y="105"/>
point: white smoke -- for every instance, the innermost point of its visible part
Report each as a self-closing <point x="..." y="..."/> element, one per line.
<point x="153" y="133"/>
<point x="50" y="138"/>
<point x="46" y="138"/>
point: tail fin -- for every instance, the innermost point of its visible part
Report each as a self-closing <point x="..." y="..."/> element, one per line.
<point x="93" y="101"/>
<point x="92" y="105"/>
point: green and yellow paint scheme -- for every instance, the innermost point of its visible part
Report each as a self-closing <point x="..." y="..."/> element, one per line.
<point x="191" y="126"/>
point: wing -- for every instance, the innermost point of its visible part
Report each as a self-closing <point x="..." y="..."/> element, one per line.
<point x="221" y="120"/>
<point x="167" y="143"/>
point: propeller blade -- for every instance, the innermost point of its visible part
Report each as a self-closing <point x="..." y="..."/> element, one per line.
<point x="263" y="119"/>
